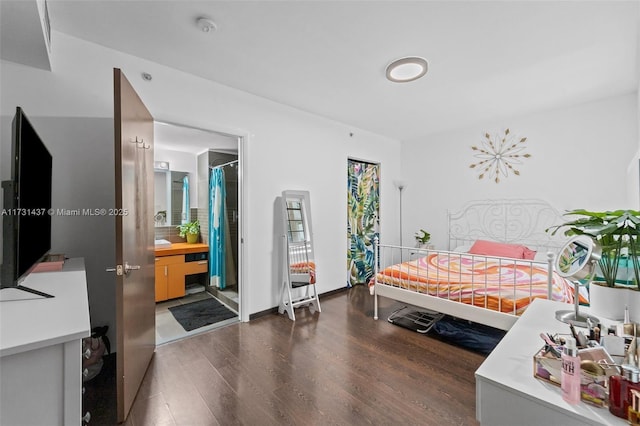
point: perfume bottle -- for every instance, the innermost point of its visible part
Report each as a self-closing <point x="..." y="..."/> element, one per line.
<point x="633" y="384"/>
<point x="570" y="375"/>
<point x="618" y="392"/>
<point x="633" y="414"/>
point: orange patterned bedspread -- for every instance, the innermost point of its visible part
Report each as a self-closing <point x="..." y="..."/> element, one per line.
<point x="499" y="284"/>
<point x="304" y="268"/>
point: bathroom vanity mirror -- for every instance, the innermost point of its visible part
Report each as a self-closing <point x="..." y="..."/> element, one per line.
<point x="171" y="198"/>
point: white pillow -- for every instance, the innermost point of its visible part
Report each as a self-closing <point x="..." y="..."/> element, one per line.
<point x="462" y="249"/>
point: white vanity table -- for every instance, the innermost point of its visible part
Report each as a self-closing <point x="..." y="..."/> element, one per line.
<point x="508" y="394"/>
<point x="41" y="348"/>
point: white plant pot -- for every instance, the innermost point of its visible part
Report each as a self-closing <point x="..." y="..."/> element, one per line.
<point x="634" y="306"/>
<point x="609" y="302"/>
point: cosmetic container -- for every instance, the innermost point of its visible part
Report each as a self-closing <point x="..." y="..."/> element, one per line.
<point x="570" y="375"/>
<point x="596" y="333"/>
<point x="630" y="356"/>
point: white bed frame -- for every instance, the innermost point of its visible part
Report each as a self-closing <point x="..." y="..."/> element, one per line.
<point x="518" y="221"/>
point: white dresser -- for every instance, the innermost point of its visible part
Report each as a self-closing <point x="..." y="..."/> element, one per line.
<point x="41" y="348"/>
<point x="507" y="394"/>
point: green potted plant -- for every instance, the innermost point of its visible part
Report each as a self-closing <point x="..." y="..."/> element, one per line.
<point x="617" y="233"/>
<point x="190" y="230"/>
<point x="422" y="238"/>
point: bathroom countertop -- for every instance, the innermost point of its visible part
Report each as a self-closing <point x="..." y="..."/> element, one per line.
<point x="181" y="248"/>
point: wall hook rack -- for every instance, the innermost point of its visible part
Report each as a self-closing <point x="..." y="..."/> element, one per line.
<point x="140" y="143"/>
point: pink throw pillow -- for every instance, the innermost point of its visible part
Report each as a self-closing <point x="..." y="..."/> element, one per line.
<point x="528" y="253"/>
<point x="492" y="248"/>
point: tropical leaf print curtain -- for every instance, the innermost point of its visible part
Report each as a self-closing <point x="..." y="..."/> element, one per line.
<point x="363" y="203"/>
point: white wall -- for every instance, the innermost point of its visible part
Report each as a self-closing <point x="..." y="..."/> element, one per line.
<point x="634" y="167"/>
<point x="286" y="149"/>
<point x="580" y="157"/>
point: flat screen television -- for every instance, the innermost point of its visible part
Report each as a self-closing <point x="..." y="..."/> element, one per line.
<point x="26" y="222"/>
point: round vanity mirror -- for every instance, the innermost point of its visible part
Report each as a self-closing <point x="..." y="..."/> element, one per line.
<point x="577" y="261"/>
<point x="575" y="257"/>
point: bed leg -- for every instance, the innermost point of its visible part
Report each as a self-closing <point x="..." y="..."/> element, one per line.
<point x="375" y="306"/>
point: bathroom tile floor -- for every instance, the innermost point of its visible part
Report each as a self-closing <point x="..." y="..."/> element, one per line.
<point x="168" y="329"/>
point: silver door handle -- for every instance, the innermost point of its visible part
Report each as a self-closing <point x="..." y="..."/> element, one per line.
<point x="127" y="268"/>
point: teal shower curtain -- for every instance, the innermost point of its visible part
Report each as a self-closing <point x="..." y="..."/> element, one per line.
<point x="217" y="246"/>
<point x="185" y="200"/>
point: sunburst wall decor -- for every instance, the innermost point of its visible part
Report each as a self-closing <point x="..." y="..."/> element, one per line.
<point x="498" y="155"/>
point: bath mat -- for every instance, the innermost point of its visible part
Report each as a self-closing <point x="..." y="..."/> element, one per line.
<point x="203" y="312"/>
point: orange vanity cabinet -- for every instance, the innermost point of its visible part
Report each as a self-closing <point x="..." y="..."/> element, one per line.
<point x="169" y="277"/>
<point x="174" y="263"/>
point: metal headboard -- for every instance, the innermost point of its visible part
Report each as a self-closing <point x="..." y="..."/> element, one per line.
<point x="515" y="221"/>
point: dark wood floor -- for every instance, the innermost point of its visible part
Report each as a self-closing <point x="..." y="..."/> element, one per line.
<point x="337" y="367"/>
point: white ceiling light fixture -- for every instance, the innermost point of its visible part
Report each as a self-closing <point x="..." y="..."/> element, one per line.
<point x="407" y="69"/>
<point x="206" y="24"/>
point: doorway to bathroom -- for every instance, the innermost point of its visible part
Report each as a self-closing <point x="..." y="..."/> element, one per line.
<point x="198" y="188"/>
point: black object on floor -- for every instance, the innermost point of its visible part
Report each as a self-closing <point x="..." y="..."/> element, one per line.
<point x="100" y="396"/>
<point x="203" y="312"/>
<point x="477" y="337"/>
<point x="420" y="321"/>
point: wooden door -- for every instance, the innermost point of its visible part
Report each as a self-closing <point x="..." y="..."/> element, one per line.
<point x="363" y="205"/>
<point x="135" y="261"/>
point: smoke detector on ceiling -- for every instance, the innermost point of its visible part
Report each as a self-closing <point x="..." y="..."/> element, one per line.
<point x="206" y="25"/>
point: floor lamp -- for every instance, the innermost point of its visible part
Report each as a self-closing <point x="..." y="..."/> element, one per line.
<point x="401" y="185"/>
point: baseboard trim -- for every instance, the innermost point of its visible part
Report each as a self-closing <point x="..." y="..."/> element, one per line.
<point x="274" y="310"/>
<point x="263" y="313"/>
<point x="333" y="292"/>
